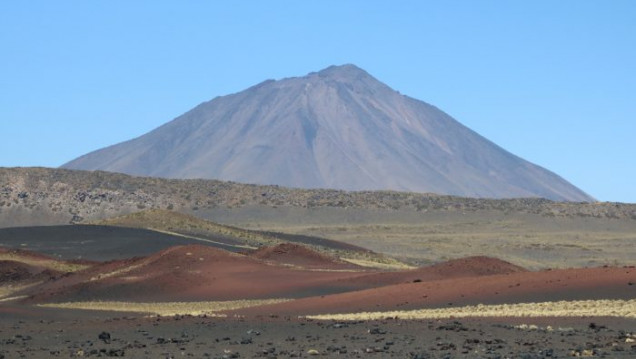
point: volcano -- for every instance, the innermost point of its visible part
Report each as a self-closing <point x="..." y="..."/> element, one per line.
<point x="339" y="128"/>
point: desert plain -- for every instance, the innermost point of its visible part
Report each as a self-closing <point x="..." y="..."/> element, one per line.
<point x="111" y="266"/>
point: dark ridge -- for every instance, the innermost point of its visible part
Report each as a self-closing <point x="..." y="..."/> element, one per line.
<point x="94" y="242"/>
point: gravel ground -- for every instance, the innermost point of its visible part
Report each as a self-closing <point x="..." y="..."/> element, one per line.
<point x="67" y="334"/>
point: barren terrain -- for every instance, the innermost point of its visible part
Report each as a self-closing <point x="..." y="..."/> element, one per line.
<point x="415" y="228"/>
<point x="282" y="302"/>
<point x="166" y="268"/>
<point x="289" y="300"/>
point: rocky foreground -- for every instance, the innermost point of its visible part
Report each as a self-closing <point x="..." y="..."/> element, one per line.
<point x="203" y="337"/>
<point x="43" y="301"/>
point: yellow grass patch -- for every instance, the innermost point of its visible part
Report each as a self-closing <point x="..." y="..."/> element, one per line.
<point x="584" y="308"/>
<point x="166" y="308"/>
<point x="117" y="272"/>
<point x="6" y="291"/>
<point x="43" y="262"/>
<point x="200" y="239"/>
<point x="10" y="299"/>
<point x="184" y="225"/>
<point x="387" y="264"/>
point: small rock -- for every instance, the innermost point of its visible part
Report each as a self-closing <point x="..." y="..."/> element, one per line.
<point x="115" y="353"/>
<point x="587" y="353"/>
<point x="377" y="331"/>
<point x="313" y="352"/>
<point x="582" y="353"/>
<point x="105" y="337"/>
<point x="548" y="352"/>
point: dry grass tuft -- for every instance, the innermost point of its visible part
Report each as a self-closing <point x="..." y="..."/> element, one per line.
<point x="48" y="263"/>
<point x="592" y="308"/>
<point x="187" y="226"/>
<point x="166" y="308"/>
<point x="7" y="290"/>
<point x="386" y="263"/>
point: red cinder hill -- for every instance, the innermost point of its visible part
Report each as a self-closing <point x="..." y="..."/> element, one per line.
<point x="300" y="256"/>
<point x="518" y="287"/>
<point x="193" y="273"/>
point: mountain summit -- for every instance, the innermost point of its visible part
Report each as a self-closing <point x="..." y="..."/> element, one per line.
<point x="337" y="128"/>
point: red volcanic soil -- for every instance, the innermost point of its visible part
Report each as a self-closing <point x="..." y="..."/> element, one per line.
<point x="202" y="273"/>
<point x="300" y="256"/>
<point x="456" y="268"/>
<point x="195" y="272"/>
<point x="474" y="266"/>
<point x="519" y="287"/>
<point x="22" y="266"/>
<point x="14" y="271"/>
<point x="192" y="273"/>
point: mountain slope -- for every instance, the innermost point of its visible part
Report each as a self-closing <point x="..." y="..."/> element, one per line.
<point x="338" y="128"/>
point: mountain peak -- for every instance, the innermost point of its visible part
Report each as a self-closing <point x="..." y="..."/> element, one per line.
<point x="338" y="128"/>
<point x="346" y="71"/>
<point x="344" y="68"/>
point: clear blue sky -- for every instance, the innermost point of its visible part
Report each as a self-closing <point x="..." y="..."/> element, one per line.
<point x="551" y="81"/>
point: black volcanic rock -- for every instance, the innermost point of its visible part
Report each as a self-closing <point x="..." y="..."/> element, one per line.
<point x="338" y="128"/>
